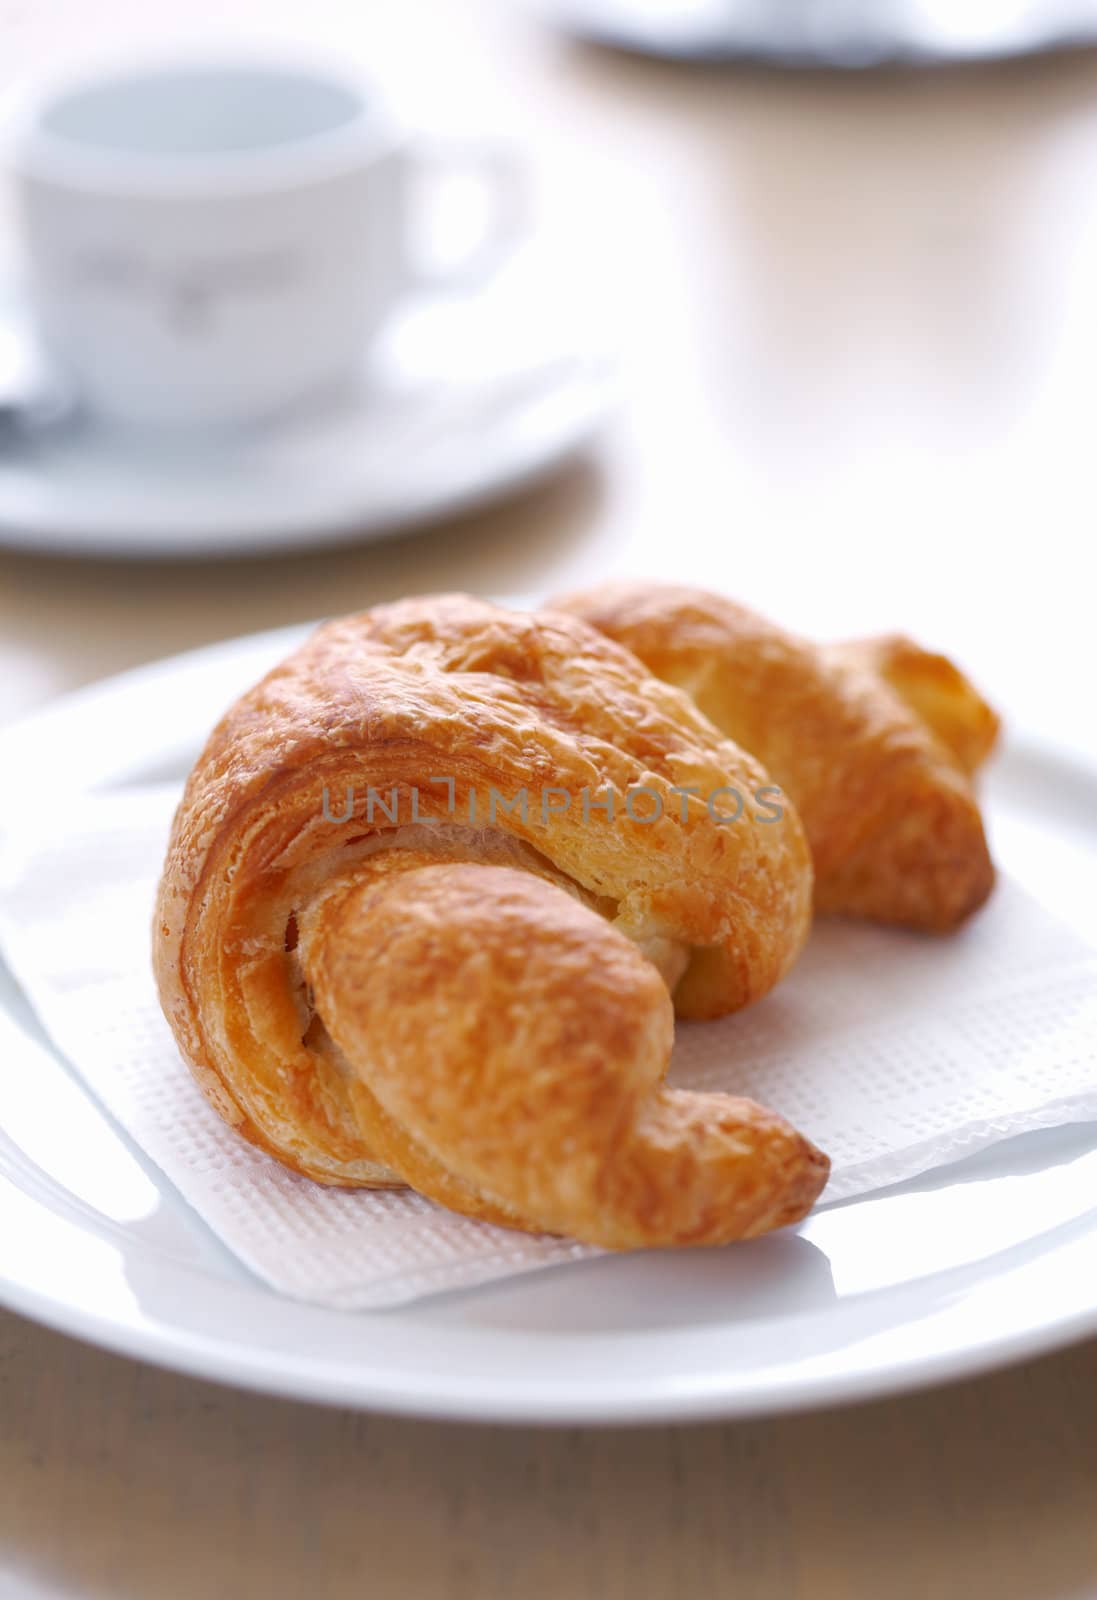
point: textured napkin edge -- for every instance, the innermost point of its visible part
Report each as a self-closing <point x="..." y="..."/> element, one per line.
<point x="877" y="1173"/>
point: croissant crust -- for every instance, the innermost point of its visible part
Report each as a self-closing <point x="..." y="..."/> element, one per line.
<point x="873" y="741"/>
<point x="470" y="997"/>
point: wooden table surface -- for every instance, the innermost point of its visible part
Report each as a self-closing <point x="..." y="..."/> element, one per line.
<point x="859" y="337"/>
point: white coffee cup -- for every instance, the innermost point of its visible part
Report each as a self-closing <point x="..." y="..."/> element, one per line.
<point x="208" y="243"/>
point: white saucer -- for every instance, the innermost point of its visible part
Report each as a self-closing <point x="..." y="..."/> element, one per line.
<point x="973" y="1265"/>
<point x="469" y="398"/>
<point x="851" y="35"/>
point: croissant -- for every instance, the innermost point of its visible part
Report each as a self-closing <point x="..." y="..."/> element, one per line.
<point x="873" y="741"/>
<point x="429" y="891"/>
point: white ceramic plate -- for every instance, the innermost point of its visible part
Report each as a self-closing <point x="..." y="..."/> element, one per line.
<point x="469" y="397"/>
<point x="976" y="1265"/>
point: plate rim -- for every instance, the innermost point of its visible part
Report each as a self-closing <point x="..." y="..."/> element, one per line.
<point x="720" y="1400"/>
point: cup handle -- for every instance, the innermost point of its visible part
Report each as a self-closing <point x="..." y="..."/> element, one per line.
<point x="501" y="175"/>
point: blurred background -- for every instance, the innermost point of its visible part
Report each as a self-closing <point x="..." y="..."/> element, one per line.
<point x="853" y="311"/>
<point x="844" y="259"/>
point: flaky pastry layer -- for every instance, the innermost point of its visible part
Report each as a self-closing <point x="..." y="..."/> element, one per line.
<point x="873" y="741"/>
<point x="472" y="998"/>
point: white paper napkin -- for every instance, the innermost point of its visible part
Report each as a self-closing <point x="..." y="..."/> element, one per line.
<point x="894" y="1052"/>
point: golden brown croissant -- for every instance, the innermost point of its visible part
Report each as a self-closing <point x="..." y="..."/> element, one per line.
<point x="383" y="963"/>
<point x="872" y="741"/>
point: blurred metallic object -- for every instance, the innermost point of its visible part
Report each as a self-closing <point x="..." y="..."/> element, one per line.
<point x="31" y="397"/>
<point x="835" y="33"/>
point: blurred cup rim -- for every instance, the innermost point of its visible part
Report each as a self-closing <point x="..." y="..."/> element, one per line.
<point x="37" y="153"/>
